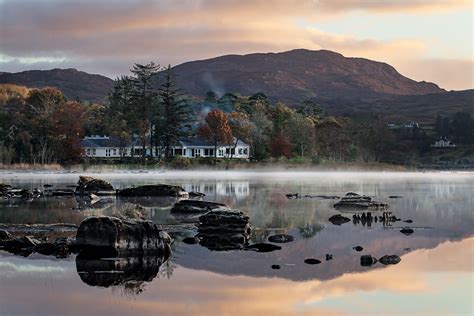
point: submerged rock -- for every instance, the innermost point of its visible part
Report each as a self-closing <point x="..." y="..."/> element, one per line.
<point x="407" y="231"/>
<point x="154" y="190"/>
<point x="280" y="238"/>
<point x="358" y="248"/>
<point x="276" y="267"/>
<point x="294" y="196"/>
<point x="92" y="185"/>
<point x="195" y="206"/>
<point x="110" y="236"/>
<point x="338" y="219"/>
<point x="262" y="247"/>
<point x="390" y="259"/>
<point x="367" y="260"/>
<point x="329" y="257"/>
<point x="409" y="221"/>
<point x="191" y="240"/>
<point x="196" y="194"/>
<point x="312" y="261"/>
<point x="354" y="201"/>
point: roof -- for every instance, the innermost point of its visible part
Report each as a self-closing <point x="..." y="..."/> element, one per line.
<point x="93" y="142"/>
<point x="202" y="142"/>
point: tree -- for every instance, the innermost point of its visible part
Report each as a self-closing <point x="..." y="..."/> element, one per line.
<point x="173" y="120"/>
<point x="462" y="126"/>
<point x="281" y="146"/>
<point x="311" y="109"/>
<point x="216" y="129"/>
<point x="241" y="126"/>
<point x="144" y="100"/>
<point x="68" y="122"/>
<point x="301" y="133"/>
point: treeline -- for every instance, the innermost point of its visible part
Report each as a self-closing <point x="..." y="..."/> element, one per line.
<point x="42" y="126"/>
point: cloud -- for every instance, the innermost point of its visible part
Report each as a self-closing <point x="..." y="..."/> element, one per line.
<point x="108" y="38"/>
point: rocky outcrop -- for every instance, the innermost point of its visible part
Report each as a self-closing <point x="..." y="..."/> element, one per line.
<point x="224" y="230"/>
<point x="87" y="185"/>
<point x="354" y="201"/>
<point x="338" y="219"/>
<point x="151" y="190"/>
<point x="195" y="206"/>
<point x="110" y="236"/>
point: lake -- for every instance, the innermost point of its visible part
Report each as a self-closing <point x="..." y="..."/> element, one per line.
<point x="434" y="277"/>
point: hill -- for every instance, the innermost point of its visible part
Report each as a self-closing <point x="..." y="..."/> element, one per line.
<point x="73" y="83"/>
<point x="297" y="75"/>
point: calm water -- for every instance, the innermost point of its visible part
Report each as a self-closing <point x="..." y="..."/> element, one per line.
<point x="434" y="277"/>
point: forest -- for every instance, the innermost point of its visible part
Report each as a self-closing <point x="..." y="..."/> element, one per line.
<point x="40" y="126"/>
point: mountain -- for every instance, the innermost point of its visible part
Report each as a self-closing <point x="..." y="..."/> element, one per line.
<point x="296" y="75"/>
<point x="73" y="83"/>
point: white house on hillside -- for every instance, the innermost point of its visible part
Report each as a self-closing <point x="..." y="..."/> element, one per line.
<point x="443" y="142"/>
<point x="109" y="147"/>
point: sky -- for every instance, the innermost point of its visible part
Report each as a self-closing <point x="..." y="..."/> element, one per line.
<point x="429" y="40"/>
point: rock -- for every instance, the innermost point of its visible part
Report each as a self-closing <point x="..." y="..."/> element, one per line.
<point x="195" y="206"/>
<point x="409" y="221"/>
<point x="47" y="185"/>
<point x="4" y="188"/>
<point x="276" y="267"/>
<point x="92" y="185"/>
<point x="196" y="194"/>
<point x="367" y="260"/>
<point x="224" y="230"/>
<point x="60" y="248"/>
<point x="281" y="238"/>
<point x="312" y="261"/>
<point x="154" y="190"/>
<point x="358" y="248"/>
<point x="407" y="231"/>
<point x="390" y="259"/>
<point x="129" y="272"/>
<point x="19" y="193"/>
<point x="354" y="201"/>
<point x="294" y="196"/>
<point x="191" y="240"/>
<point x="262" y="247"/>
<point x="395" y="196"/>
<point x="110" y="236"/>
<point x="23" y="245"/>
<point x="329" y="257"/>
<point x="133" y="212"/>
<point x="338" y="219"/>
<point x="4" y="235"/>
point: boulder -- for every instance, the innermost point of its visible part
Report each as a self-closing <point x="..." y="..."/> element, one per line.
<point x="367" y="260"/>
<point x="154" y="190"/>
<point x="23" y="245"/>
<point x="280" y="238"/>
<point x="110" y="236"/>
<point x="338" y="219"/>
<point x="262" y="247"/>
<point x="92" y="185"/>
<point x="224" y="230"/>
<point x="60" y="248"/>
<point x="195" y="206"/>
<point x="312" y="261"/>
<point x="390" y="259"/>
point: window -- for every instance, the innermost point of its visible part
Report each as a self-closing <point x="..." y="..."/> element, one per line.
<point x="88" y="151"/>
<point x="206" y="152"/>
<point x="178" y="151"/>
<point x="240" y="151"/>
<point x="246" y="151"/>
<point x="115" y="151"/>
<point x="93" y="152"/>
<point x="211" y="152"/>
<point x="221" y="152"/>
<point x="227" y="151"/>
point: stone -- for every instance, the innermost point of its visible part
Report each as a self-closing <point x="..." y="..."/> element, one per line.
<point x="111" y="236"/>
<point x="280" y="238"/>
<point x="196" y="194"/>
<point x="329" y="257"/>
<point x="4" y="235"/>
<point x="407" y="231"/>
<point x="22" y="245"/>
<point x="63" y="192"/>
<point x="262" y="247"/>
<point x="367" y="260"/>
<point x="395" y="196"/>
<point x="358" y="248"/>
<point x="4" y="188"/>
<point x="276" y="267"/>
<point x="191" y="240"/>
<point x="312" y="261"/>
<point x="164" y="190"/>
<point x="195" y="206"/>
<point x="92" y="185"/>
<point x="338" y="219"/>
<point x="354" y="201"/>
<point x="390" y="259"/>
<point x="409" y="221"/>
<point x="60" y="248"/>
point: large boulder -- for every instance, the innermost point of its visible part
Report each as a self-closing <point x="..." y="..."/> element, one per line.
<point x="154" y="190"/>
<point x="92" y="185"/>
<point x="195" y="206"/>
<point x="110" y="236"/>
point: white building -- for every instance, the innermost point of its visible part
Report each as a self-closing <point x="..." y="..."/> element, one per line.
<point x="110" y="147"/>
<point x="443" y="142"/>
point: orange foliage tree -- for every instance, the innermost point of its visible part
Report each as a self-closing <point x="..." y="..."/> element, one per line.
<point x="216" y="129"/>
<point x="281" y="146"/>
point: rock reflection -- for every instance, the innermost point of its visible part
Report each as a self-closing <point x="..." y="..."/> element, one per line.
<point x="130" y="273"/>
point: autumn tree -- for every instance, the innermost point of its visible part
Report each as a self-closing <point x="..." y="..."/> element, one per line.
<point x="281" y="146"/>
<point x="68" y="120"/>
<point x="241" y="127"/>
<point x="216" y="129"/>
